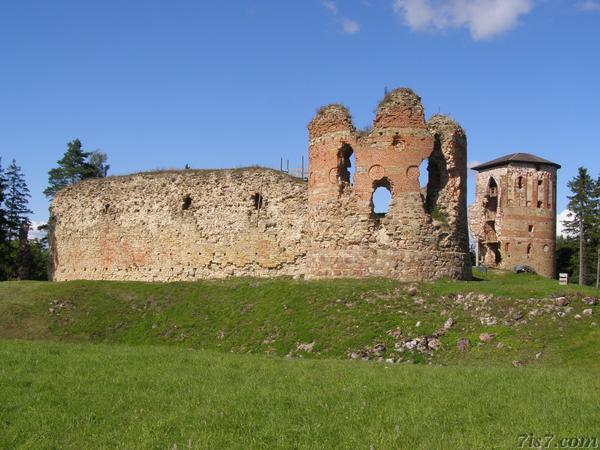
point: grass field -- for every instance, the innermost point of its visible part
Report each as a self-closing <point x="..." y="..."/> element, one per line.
<point x="221" y="364"/>
<point x="76" y="396"/>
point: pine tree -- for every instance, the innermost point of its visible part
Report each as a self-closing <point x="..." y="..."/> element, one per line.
<point x="4" y="246"/>
<point x="583" y="223"/>
<point x="72" y="168"/>
<point x="23" y="257"/>
<point x="596" y="229"/>
<point x="16" y="201"/>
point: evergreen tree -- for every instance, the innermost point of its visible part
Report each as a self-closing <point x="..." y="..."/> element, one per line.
<point x="595" y="233"/>
<point x="71" y="169"/>
<point x="16" y="201"/>
<point x="74" y="166"/>
<point x="566" y="255"/>
<point x="39" y="260"/>
<point x="4" y="246"/>
<point x="23" y="257"/>
<point x="583" y="223"/>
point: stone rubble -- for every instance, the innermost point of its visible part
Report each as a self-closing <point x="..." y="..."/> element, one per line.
<point x="480" y="308"/>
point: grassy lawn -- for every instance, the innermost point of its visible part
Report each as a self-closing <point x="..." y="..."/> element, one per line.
<point x="74" y="396"/>
<point x="247" y="363"/>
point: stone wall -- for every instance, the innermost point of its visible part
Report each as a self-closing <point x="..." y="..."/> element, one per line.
<point x="522" y="230"/>
<point x="188" y="225"/>
<point x="182" y="225"/>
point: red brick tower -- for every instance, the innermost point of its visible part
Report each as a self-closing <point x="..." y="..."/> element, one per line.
<point x="513" y="218"/>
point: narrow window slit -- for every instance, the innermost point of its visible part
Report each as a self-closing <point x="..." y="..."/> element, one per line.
<point x="257" y="199"/>
<point x="187" y="202"/>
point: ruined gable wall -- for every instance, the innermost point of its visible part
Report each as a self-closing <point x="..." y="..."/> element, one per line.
<point x="137" y="228"/>
<point x="410" y="242"/>
<point x="477" y="213"/>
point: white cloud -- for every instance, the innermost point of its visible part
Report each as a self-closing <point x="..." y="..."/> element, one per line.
<point x="473" y="164"/>
<point x="331" y="6"/>
<point x="484" y="18"/>
<point x="34" y="233"/>
<point x="560" y="229"/>
<point x="589" y="5"/>
<point x="350" y="26"/>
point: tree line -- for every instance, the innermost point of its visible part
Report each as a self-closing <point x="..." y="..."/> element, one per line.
<point x="22" y="258"/>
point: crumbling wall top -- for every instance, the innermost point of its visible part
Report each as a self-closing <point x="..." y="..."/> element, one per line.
<point x="94" y="185"/>
<point x="330" y="119"/>
<point x="450" y="133"/>
<point x="399" y="108"/>
<point x="445" y="124"/>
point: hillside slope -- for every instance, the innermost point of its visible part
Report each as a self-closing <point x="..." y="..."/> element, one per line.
<point x="500" y="320"/>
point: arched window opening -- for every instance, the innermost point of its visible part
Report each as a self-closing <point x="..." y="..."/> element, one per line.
<point x="424" y="173"/>
<point x="257" y="200"/>
<point x="492" y="188"/>
<point x="433" y="177"/>
<point x="520" y="183"/>
<point x="187" y="202"/>
<point x="491" y="200"/>
<point x="497" y="256"/>
<point x="381" y="198"/>
<point x="529" y="249"/>
<point x="492" y="256"/>
<point x="489" y="229"/>
<point x="346" y="165"/>
<point x="530" y="228"/>
<point x="507" y="247"/>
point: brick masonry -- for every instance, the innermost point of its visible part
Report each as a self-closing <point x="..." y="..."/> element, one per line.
<point x="187" y="225"/>
<point x="514" y="216"/>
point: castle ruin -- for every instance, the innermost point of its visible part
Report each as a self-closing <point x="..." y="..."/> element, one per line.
<point x="513" y="219"/>
<point x="198" y="224"/>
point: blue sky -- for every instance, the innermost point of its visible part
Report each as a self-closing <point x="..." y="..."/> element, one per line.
<point x="161" y="84"/>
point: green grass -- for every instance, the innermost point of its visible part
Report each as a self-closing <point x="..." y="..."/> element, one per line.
<point x="74" y="396"/>
<point x="272" y="317"/>
<point x="92" y="364"/>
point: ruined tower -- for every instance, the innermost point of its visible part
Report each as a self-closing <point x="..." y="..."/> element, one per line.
<point x="424" y="233"/>
<point x="513" y="219"/>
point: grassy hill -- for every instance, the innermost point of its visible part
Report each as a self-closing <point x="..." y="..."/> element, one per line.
<point x="147" y="365"/>
<point x="319" y="319"/>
